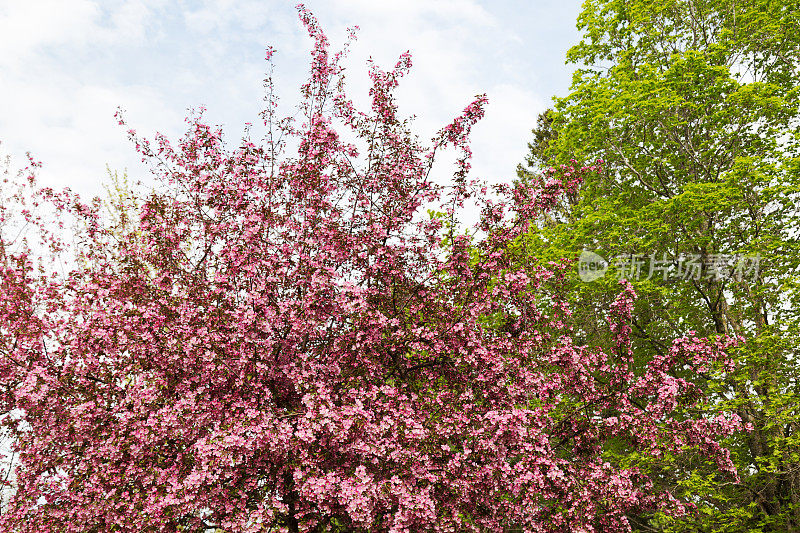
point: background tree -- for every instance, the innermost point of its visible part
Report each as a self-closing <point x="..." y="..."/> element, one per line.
<point x="285" y="342"/>
<point x="693" y="106"/>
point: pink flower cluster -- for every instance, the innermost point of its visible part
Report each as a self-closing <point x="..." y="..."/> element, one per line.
<point x="282" y="342"/>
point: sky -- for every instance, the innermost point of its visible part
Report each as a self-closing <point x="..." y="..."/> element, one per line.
<point x="67" y="65"/>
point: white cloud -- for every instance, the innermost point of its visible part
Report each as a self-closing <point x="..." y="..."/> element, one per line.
<point x="67" y="65"/>
<point x="501" y="138"/>
<point x="27" y="26"/>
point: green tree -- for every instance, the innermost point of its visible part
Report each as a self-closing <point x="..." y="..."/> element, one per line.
<point x="694" y="107"/>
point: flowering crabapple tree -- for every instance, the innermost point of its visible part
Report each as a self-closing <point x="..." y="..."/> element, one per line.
<point x="303" y="340"/>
